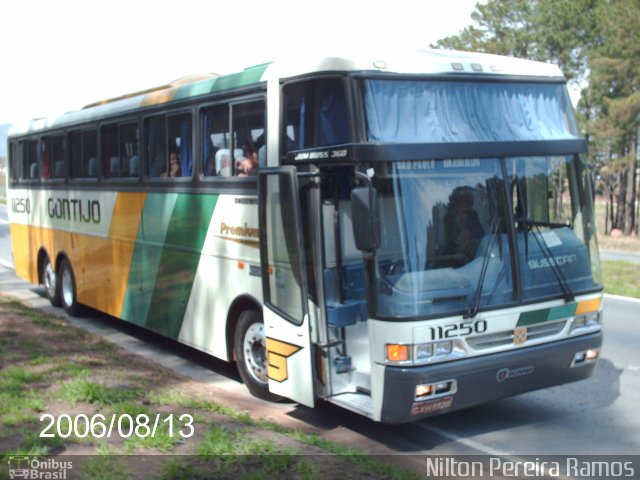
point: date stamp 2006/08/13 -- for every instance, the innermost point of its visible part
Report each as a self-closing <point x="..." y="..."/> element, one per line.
<point x="122" y="425"/>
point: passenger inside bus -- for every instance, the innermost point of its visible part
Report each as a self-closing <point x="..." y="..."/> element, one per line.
<point x="175" y="170"/>
<point x="248" y="164"/>
<point x="462" y="225"/>
<point x="221" y="164"/>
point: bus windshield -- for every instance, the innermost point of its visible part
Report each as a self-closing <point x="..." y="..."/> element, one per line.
<point x="453" y="230"/>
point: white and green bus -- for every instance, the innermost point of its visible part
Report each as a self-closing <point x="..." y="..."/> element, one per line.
<point x="401" y="234"/>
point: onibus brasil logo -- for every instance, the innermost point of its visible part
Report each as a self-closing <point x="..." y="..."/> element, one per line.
<point x="34" y="468"/>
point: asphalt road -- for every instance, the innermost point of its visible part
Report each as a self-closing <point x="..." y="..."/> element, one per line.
<point x="595" y="416"/>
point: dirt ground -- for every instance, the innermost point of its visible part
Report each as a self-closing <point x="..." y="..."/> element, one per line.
<point x="114" y="414"/>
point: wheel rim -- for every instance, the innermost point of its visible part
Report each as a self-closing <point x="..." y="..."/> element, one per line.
<point x="255" y="352"/>
<point x="67" y="287"/>
<point x="50" y="280"/>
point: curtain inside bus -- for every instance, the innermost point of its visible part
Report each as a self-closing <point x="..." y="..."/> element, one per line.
<point x="456" y="111"/>
<point x="186" y="158"/>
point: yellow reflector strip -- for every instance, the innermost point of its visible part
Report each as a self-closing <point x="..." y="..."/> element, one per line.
<point x="588" y="306"/>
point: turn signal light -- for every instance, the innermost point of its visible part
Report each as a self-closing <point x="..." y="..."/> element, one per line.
<point x="397" y="353"/>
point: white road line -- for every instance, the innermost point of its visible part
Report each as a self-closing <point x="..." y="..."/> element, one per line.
<point x="6" y="264"/>
<point x="479" y="446"/>
<point x="619" y="297"/>
<point x="487" y="450"/>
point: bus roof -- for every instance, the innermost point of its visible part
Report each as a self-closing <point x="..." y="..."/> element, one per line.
<point x="414" y="62"/>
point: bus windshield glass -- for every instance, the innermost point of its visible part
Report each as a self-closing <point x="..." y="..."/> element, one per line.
<point x="427" y="111"/>
<point x="449" y="229"/>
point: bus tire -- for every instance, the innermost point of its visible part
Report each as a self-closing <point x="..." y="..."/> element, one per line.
<point x="50" y="281"/>
<point x="251" y="355"/>
<point x="68" y="292"/>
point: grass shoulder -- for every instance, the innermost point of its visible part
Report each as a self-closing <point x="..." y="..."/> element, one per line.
<point x="93" y="398"/>
<point x="621" y="278"/>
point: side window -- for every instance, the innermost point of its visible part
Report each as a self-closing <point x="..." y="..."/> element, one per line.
<point x="120" y="151"/>
<point x="110" y="156"/>
<point x="155" y="135"/>
<point x="169" y="148"/>
<point x="29" y="160"/>
<point x="315" y="115"/>
<point x="129" y="150"/>
<point x="216" y="139"/>
<point x="52" y="158"/>
<point x="249" y="138"/>
<point x="180" y="145"/>
<point x="46" y="169"/>
<point x="14" y="162"/>
<point x="83" y="150"/>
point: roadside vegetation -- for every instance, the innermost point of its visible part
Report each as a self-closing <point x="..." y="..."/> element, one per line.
<point x="621" y="278"/>
<point x="49" y="367"/>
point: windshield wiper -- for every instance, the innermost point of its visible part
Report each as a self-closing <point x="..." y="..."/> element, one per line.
<point x="525" y="222"/>
<point x="493" y="230"/>
<point x="540" y="223"/>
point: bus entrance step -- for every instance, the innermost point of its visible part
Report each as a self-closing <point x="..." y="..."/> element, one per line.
<point x="357" y="402"/>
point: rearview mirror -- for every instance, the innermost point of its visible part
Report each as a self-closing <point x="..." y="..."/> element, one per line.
<point x="365" y="218"/>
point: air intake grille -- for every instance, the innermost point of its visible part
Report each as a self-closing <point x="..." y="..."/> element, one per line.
<point x="534" y="332"/>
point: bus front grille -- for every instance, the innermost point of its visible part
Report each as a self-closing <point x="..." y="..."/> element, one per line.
<point x="534" y="332"/>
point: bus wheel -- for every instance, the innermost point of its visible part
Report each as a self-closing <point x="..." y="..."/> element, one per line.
<point x="68" y="293"/>
<point x="251" y="354"/>
<point x="50" y="281"/>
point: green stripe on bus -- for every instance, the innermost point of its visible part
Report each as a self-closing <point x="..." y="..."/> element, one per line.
<point x="226" y="82"/>
<point x="154" y="225"/>
<point x="246" y="77"/>
<point x="180" y="257"/>
<point x="546" y="315"/>
<point x="536" y="316"/>
<point x="170" y="238"/>
<point x="564" y="311"/>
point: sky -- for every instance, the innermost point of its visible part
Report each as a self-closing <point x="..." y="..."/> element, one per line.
<point x="59" y="55"/>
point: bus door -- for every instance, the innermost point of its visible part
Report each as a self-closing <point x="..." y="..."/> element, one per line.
<point x="285" y="309"/>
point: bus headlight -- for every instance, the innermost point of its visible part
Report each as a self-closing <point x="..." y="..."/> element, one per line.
<point x="586" y="323"/>
<point x="422" y="353"/>
<point x="444" y="348"/>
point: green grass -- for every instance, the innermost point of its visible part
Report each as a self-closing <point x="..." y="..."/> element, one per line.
<point x="82" y="390"/>
<point x="18" y="402"/>
<point x="232" y="449"/>
<point x="228" y="443"/>
<point x="621" y="278"/>
<point x="173" y="397"/>
<point x="103" y="468"/>
<point x="163" y="439"/>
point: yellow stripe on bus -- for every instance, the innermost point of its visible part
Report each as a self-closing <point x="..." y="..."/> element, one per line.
<point x="108" y="261"/>
<point x="27" y="242"/>
<point x="101" y="265"/>
<point x="588" y="306"/>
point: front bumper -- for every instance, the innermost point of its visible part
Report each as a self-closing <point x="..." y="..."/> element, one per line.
<point x="485" y="378"/>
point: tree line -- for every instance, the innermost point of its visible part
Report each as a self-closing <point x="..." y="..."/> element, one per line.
<point x="596" y="43"/>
